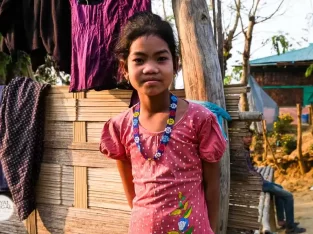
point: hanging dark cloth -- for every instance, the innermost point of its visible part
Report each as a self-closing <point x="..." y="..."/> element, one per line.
<point x="3" y="182"/>
<point x="36" y="25"/>
<point x="95" y="29"/>
<point x="21" y="140"/>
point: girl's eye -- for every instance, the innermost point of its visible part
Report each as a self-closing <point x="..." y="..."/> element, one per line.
<point x="138" y="61"/>
<point x="162" y="59"/>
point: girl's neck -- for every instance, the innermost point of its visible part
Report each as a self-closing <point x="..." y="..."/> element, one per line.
<point x="155" y="104"/>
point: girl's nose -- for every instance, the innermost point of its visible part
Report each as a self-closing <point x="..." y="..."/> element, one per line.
<point x="150" y="68"/>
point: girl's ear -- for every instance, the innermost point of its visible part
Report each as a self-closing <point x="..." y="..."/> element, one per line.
<point x="123" y="69"/>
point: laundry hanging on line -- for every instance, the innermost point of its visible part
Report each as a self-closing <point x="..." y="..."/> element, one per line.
<point x="95" y="30"/>
<point x="37" y="27"/>
<point x="21" y="139"/>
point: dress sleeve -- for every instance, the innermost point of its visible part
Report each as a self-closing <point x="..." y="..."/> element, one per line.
<point x="111" y="145"/>
<point x="212" y="143"/>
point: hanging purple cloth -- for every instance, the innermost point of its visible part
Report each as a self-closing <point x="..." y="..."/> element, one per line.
<point x="95" y="29"/>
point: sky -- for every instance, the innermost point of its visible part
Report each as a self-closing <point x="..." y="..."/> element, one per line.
<point x="290" y="20"/>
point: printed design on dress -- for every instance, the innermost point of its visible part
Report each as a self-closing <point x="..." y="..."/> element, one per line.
<point x="184" y="211"/>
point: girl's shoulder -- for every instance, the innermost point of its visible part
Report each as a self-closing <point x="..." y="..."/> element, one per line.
<point x="198" y="112"/>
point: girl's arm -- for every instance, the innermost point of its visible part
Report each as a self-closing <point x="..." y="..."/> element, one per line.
<point x="211" y="181"/>
<point x="125" y="170"/>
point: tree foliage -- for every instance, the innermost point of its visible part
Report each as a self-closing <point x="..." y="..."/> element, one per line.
<point x="309" y="71"/>
<point x="280" y="44"/>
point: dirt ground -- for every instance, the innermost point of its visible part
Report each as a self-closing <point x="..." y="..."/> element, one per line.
<point x="300" y="186"/>
<point x="303" y="210"/>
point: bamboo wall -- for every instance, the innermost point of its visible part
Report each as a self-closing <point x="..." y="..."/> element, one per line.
<point x="79" y="190"/>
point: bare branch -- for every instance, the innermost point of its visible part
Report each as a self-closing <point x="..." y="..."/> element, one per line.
<point x="251" y="7"/>
<point x="233" y="30"/>
<point x="270" y="16"/>
<point x="256" y="7"/>
<point x="237" y="34"/>
<point x="238" y="3"/>
<point x="226" y="27"/>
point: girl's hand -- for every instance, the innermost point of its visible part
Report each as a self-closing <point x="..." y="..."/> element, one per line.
<point x="125" y="170"/>
<point x="211" y="182"/>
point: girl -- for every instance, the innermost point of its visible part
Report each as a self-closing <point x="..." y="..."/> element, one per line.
<point x="167" y="149"/>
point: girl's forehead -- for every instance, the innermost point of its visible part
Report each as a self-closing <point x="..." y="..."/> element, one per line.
<point x="149" y="43"/>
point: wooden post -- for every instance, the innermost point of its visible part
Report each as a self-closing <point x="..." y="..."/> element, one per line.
<point x="311" y="117"/>
<point x="264" y="140"/>
<point x="80" y="173"/>
<point x="310" y="114"/>
<point x="269" y="145"/>
<point x="202" y="75"/>
<point x="299" y="140"/>
<point x="31" y="223"/>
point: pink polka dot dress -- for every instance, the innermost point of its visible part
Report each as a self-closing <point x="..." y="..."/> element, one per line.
<point x="169" y="192"/>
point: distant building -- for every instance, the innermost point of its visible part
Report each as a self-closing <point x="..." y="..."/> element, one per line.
<point x="283" y="76"/>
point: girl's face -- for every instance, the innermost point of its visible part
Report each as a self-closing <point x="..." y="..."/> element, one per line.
<point x="150" y="65"/>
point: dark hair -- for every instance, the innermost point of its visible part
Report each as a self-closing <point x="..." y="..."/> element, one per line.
<point x="250" y="132"/>
<point x="145" y="24"/>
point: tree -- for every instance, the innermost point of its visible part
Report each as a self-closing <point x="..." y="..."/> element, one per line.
<point x="202" y="75"/>
<point x="253" y="19"/>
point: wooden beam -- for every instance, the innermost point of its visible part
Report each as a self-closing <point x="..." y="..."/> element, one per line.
<point x="266" y="210"/>
<point x="310" y="114"/>
<point x="79" y="134"/>
<point x="312" y="118"/>
<point x="269" y="145"/>
<point x="264" y="140"/>
<point x="299" y="140"/>
<point x="202" y="76"/>
<point x="80" y="187"/>
<point x="80" y="173"/>
<point x="31" y="223"/>
<point x="250" y="116"/>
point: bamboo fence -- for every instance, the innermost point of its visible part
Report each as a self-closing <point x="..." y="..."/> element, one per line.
<point x="79" y="190"/>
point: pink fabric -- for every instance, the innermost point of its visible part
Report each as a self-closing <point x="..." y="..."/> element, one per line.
<point x="173" y="181"/>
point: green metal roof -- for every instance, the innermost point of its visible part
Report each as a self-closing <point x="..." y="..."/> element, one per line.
<point x="301" y="55"/>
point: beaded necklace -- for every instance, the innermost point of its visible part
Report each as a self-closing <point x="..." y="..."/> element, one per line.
<point x="167" y="132"/>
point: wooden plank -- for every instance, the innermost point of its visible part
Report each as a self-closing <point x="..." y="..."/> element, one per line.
<point x="101" y="109"/>
<point x="48" y="188"/>
<point x="95" y="117"/>
<point x="67" y="186"/>
<point x="80" y="173"/>
<point x="94" y="130"/>
<point x="77" y="158"/>
<point x="58" y="131"/>
<point x="266" y="225"/>
<point x="61" y="116"/>
<point x="51" y="102"/>
<point x="80" y="187"/>
<point x="92" y="146"/>
<point x="79" y="132"/>
<point x="62" y="219"/>
<point x="105" y="189"/>
<point x="31" y="223"/>
<point x="103" y="103"/>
